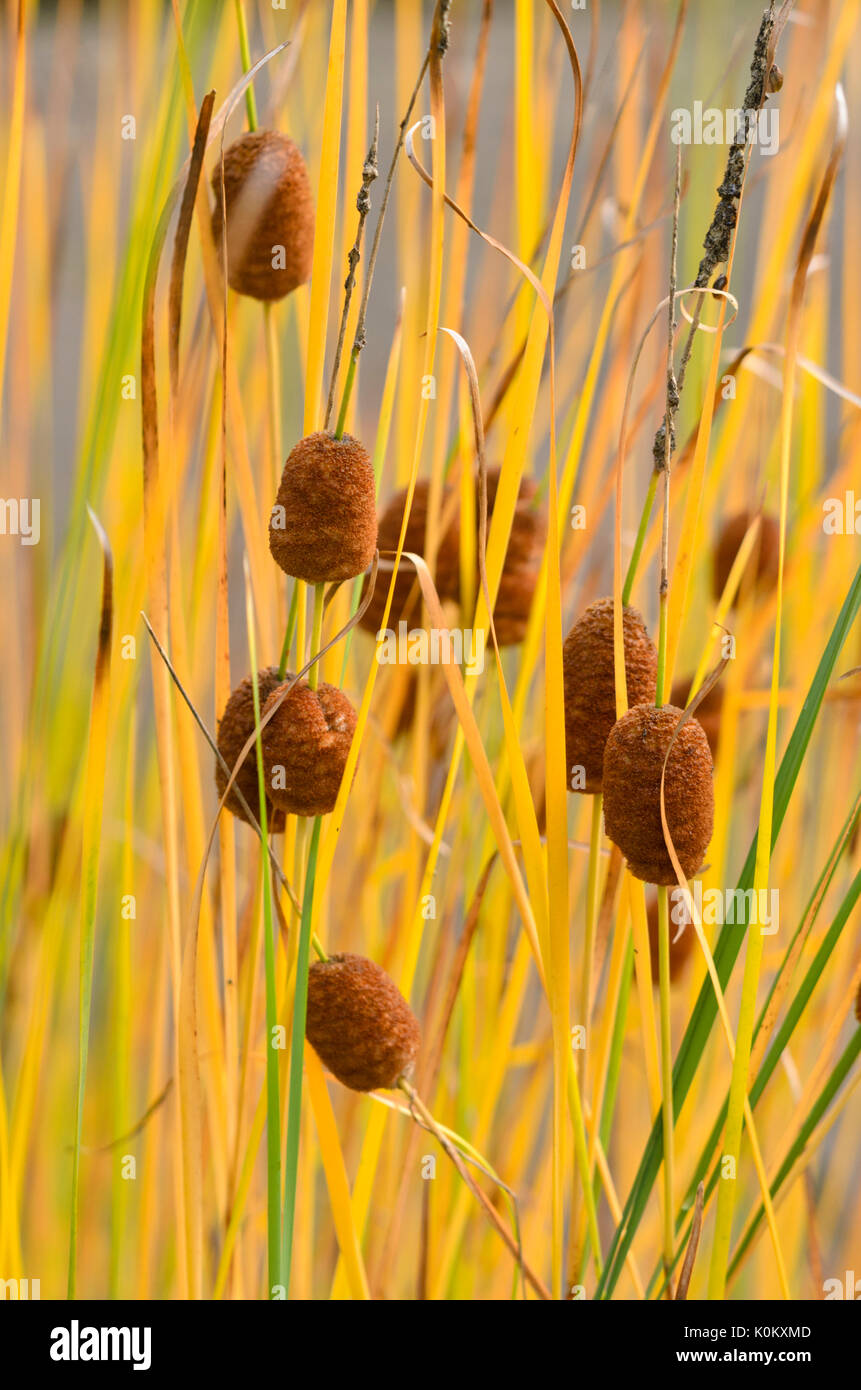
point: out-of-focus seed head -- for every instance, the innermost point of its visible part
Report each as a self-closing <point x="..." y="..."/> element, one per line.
<point x="359" y="1023"/>
<point x="633" y="761"/>
<point x="762" y="567"/>
<point x="270" y="215"/>
<point x="323" y="526"/>
<point x="405" y="607"/>
<point x="305" y="747"/>
<point x="234" y="729"/>
<point x="708" y="712"/>
<point x="590" y="684"/>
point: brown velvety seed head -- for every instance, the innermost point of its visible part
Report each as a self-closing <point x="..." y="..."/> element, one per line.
<point x="305" y="747"/>
<point x="633" y="759"/>
<point x="359" y="1023"/>
<point x="234" y="728"/>
<point x="388" y="534"/>
<point x="708" y="712"/>
<point x="680" y="951"/>
<point x="269" y="206"/>
<point x="762" y="567"/>
<point x="590" y="686"/>
<point x="323" y="526"/>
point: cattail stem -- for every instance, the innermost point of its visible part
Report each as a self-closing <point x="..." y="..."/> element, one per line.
<point x="297" y="1059"/>
<point x="245" y="54"/>
<point x="641" y="538"/>
<point x="288" y="635"/>
<point x="316" y="635"/>
<point x="273" y="395"/>
<point x="591" y="914"/>
<point x="348" y="391"/>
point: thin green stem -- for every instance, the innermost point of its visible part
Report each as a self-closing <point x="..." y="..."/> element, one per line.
<point x="316" y="634"/>
<point x="273" y="1104"/>
<point x="641" y="537"/>
<point x="297" y="1057"/>
<point x="345" y="399"/>
<point x="245" y="54"/>
<point x="288" y="635"/>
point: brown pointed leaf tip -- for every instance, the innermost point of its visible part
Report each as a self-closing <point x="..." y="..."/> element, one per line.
<point x="761" y="569"/>
<point x="520" y="571"/>
<point x="323" y="526"/>
<point x="305" y="747"/>
<point x="590" y="684"/>
<point x="359" y="1023"/>
<point x="680" y="951"/>
<point x="234" y="729"/>
<point x="270" y="215"/>
<point x="633" y="759"/>
<point x="708" y="711"/>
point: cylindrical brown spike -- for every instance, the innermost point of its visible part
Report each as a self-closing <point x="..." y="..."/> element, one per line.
<point x="305" y="747"/>
<point x="359" y="1023"/>
<point x="761" y="569"/>
<point x="590" y="684"/>
<point x="323" y="526"/>
<point x="633" y="762"/>
<point x="270" y="215"/>
<point x="234" y="729"/>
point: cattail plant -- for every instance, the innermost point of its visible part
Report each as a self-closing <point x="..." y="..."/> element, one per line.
<point x="234" y="730"/>
<point x="359" y="1023"/>
<point x="270" y="215"/>
<point x="760" y="572"/>
<point x="633" y="763"/>
<point x="306" y="743"/>
<point x="590" y="691"/>
<point x="323" y="526"/>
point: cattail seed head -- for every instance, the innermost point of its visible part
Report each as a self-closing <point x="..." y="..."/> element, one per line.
<point x="522" y="564"/>
<point x="633" y="761"/>
<point x="270" y="215"/>
<point x="762" y="567"/>
<point x="305" y="747"/>
<point x="323" y="526"/>
<point x="680" y="951"/>
<point x="234" y="729"/>
<point x="359" y="1023"/>
<point x="590" y="683"/>
<point x="708" y="712"/>
<point x="388" y="534"/>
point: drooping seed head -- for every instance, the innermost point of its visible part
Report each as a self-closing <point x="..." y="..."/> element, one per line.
<point x="323" y="526"/>
<point x="708" y="712"/>
<point x="270" y="215"/>
<point x="234" y="729"/>
<point x="762" y="567"/>
<point x="633" y="761"/>
<point x="305" y="747"/>
<point x="359" y="1023"/>
<point x="590" y="684"/>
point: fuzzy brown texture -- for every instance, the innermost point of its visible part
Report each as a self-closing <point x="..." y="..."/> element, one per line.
<point x="761" y="570"/>
<point x="633" y="760"/>
<point x="323" y="526"/>
<point x="234" y="729"/>
<point x="388" y="533"/>
<point x="590" y="684"/>
<point x="305" y="747"/>
<point x="520" y="571"/>
<point x="359" y="1023"/>
<point x="680" y="951"/>
<point x="270" y="205"/>
<point x="708" y="713"/>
